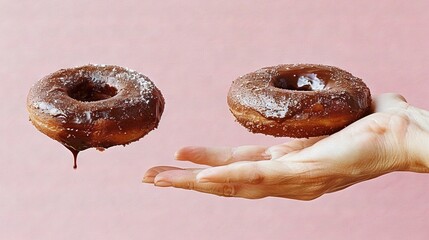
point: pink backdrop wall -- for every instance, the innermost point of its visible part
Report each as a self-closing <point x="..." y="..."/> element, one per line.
<point x="193" y="50"/>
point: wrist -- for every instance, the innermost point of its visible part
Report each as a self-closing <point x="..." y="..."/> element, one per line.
<point x="418" y="141"/>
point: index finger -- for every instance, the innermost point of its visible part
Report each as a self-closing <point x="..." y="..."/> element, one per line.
<point x="219" y="156"/>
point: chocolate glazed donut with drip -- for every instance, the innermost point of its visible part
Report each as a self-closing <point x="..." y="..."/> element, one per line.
<point x="298" y="100"/>
<point x="95" y="106"/>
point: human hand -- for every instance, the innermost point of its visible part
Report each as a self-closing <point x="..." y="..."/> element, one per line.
<point x="390" y="139"/>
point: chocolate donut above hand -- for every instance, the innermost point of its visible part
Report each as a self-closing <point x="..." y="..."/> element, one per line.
<point x="298" y="100"/>
<point x="95" y="106"/>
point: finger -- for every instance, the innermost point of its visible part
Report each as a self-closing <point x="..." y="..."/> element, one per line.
<point x="262" y="172"/>
<point x="153" y="172"/>
<point x="166" y="178"/>
<point x="186" y="179"/>
<point x="281" y="150"/>
<point x="387" y="101"/>
<point x="218" y="156"/>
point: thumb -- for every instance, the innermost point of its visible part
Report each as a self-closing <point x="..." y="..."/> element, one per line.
<point x="387" y="101"/>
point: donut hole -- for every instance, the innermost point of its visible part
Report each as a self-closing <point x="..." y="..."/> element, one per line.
<point x="88" y="91"/>
<point x="299" y="82"/>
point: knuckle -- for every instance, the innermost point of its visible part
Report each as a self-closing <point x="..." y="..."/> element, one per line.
<point x="190" y="185"/>
<point x="279" y="150"/>
<point x="256" y="178"/>
<point x="228" y="190"/>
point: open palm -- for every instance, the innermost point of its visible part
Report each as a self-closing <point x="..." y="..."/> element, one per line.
<point x="305" y="168"/>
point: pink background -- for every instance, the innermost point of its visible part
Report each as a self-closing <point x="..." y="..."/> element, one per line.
<point x="192" y="50"/>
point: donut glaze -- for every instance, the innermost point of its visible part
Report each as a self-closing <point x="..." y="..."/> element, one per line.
<point x="95" y="106"/>
<point x="298" y="100"/>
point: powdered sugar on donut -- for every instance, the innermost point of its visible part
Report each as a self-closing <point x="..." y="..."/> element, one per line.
<point x="298" y="100"/>
<point x="92" y="103"/>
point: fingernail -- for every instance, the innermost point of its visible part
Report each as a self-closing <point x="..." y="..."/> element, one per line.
<point x="178" y="155"/>
<point x="203" y="180"/>
<point x="147" y="180"/>
<point x="204" y="176"/>
<point x="266" y="155"/>
<point x="183" y="154"/>
<point x="163" y="183"/>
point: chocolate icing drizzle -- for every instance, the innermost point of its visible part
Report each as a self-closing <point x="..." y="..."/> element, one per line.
<point x="95" y="106"/>
<point x="283" y="100"/>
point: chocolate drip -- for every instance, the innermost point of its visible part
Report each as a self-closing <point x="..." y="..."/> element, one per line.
<point x="96" y="106"/>
<point x="75" y="153"/>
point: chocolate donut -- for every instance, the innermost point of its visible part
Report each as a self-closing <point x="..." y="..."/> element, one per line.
<point x="95" y="106"/>
<point x="298" y="100"/>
